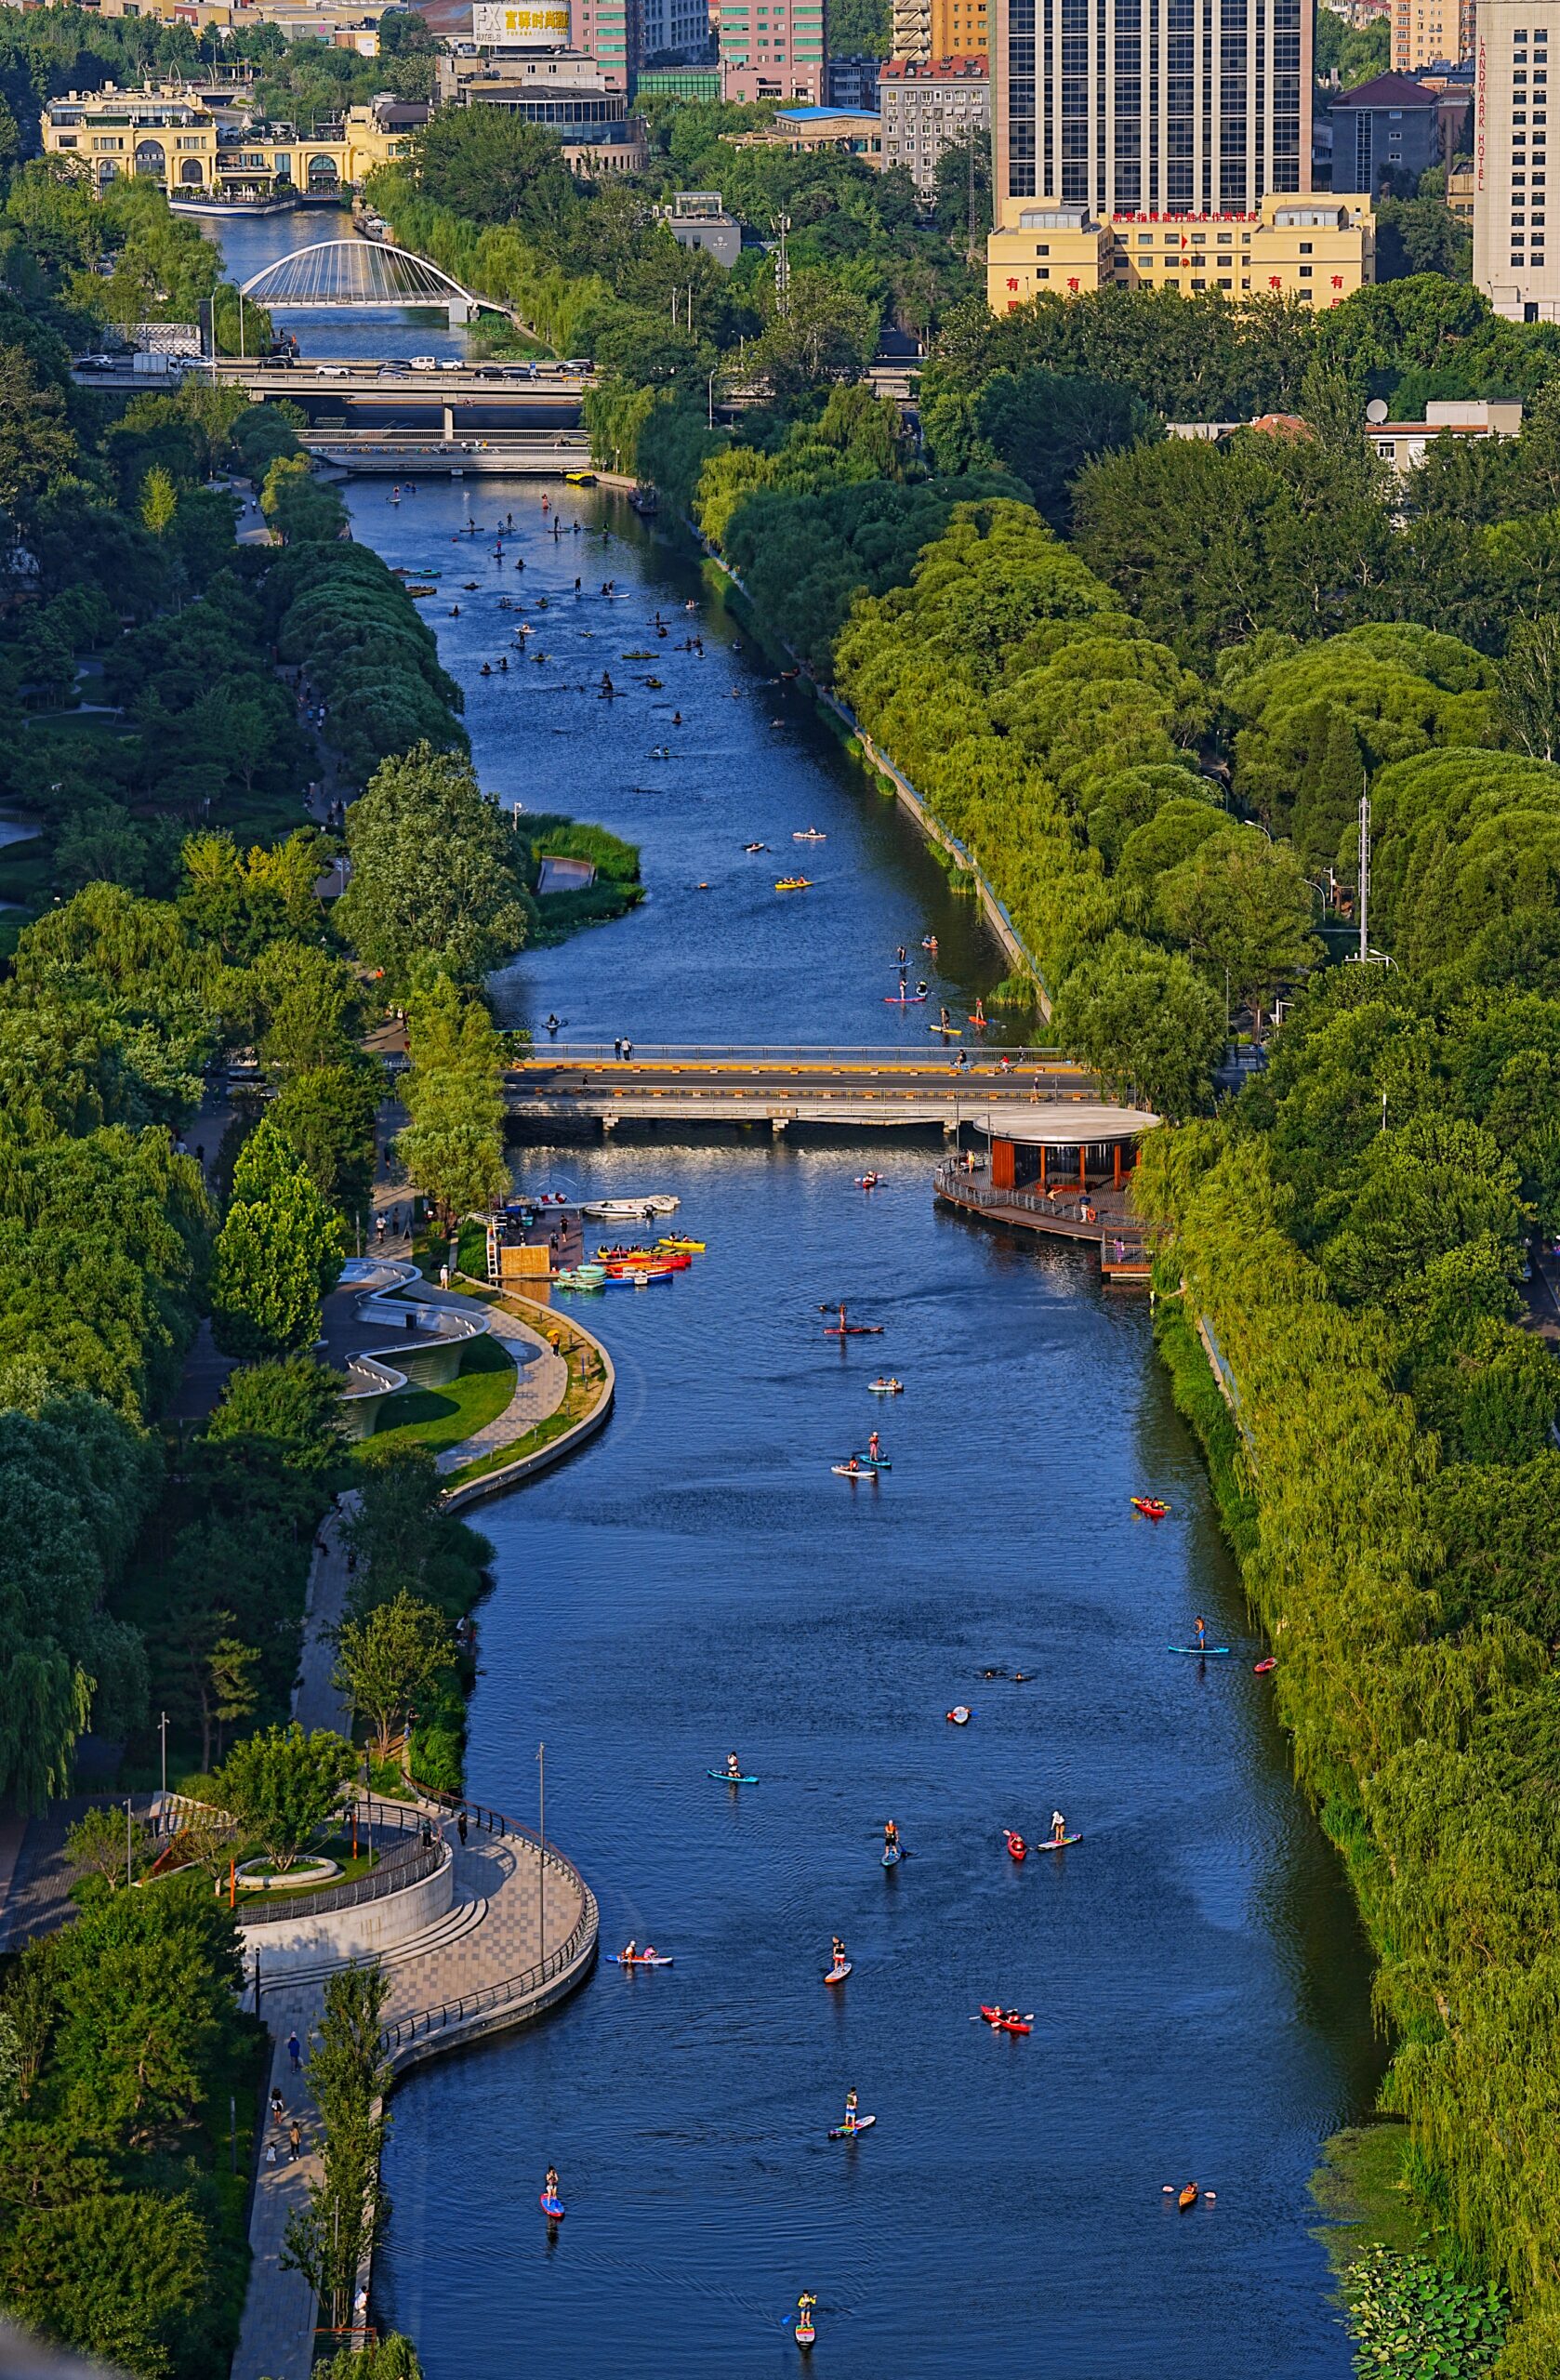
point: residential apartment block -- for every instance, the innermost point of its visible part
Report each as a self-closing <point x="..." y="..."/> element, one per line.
<point x="1157" y="107"/>
<point x="1515" y="264"/>
<point x="1316" y="249"/>
<point x="926" y="106"/>
<point x="773" y="50"/>
<point x="1430" y="33"/>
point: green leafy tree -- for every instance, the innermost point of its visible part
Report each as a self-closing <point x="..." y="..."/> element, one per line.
<point x="388" y="1658"/>
<point x="390" y="2358"/>
<point x="1527" y="703"/>
<point x="107" y="1845"/>
<point x="1328" y="801"/>
<point x="1418" y="1191"/>
<point x="452" y="1148"/>
<point x="1045" y="426"/>
<point x="433" y="873"/>
<point x="119" y="2275"/>
<point x="1146" y="1021"/>
<point x="328" y="1115"/>
<point x="281" y="1784"/>
<point x="288" y="1412"/>
<point x="278" y="1252"/>
<point x="348" y="2208"/>
<point x="159" y="501"/>
<point x="1243" y="907"/>
<point x="488" y="165"/>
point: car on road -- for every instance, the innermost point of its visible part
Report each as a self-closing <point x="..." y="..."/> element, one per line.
<point x="95" y="364"/>
<point x="393" y="370"/>
<point x="451" y="363"/>
<point x="331" y="372"/>
<point x="425" y="364"/>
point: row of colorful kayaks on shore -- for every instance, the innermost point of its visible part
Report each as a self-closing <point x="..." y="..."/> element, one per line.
<point x="632" y="1268"/>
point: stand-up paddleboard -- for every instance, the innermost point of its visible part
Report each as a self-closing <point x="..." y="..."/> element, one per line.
<point x="805" y="2333"/>
<point x="848" y="2131"/>
<point x="1200" y="1652"/>
<point x="724" y="1777"/>
<point x="1055" y="1843"/>
<point x="892" y="1855"/>
<point x="856" y="1471"/>
<point x="838" y="1975"/>
<point x="553" y="2208"/>
<point x="655" y="1960"/>
<point x="904" y="999"/>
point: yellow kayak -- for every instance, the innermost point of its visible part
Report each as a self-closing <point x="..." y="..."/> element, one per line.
<point x="690" y="1246"/>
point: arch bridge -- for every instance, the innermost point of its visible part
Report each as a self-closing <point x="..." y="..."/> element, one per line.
<point x="360" y="275"/>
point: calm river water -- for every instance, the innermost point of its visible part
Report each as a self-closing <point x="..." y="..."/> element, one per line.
<point x="697" y="1581"/>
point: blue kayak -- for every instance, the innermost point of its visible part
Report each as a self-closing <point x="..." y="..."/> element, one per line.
<point x="724" y="1777"/>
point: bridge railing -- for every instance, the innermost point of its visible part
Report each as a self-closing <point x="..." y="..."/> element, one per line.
<point x="747" y="1054"/>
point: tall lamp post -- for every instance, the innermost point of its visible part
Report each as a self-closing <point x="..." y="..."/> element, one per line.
<point x="541" y="1831"/>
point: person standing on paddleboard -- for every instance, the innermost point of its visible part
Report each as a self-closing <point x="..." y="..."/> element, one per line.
<point x="851" y="2105"/>
<point x="1058" y="1827"/>
<point x="1200" y="1629"/>
<point x="875" y="1447"/>
<point x="838" y="1951"/>
<point x="891" y="1835"/>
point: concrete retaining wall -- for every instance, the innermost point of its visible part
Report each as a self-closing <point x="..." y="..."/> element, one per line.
<point x="335" y="1936"/>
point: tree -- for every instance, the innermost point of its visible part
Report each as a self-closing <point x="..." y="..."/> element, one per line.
<point x="485" y="164"/>
<point x="962" y="202"/>
<point x="37" y="444"/>
<point x="347" y="2207"/>
<point x="107" y="1844"/>
<point x="390" y="2358"/>
<point x="1418" y="1191"/>
<point x="118" y="2274"/>
<point x="288" y="1413"/>
<point x="1528" y="706"/>
<point x="328" y="1115"/>
<point x="390" y="1658"/>
<point x="281" y="1784"/>
<point x="159" y="501"/>
<point x="1244" y="908"/>
<point x="433" y="872"/>
<point x="1146" y="1021"/>
<point x="1045" y="426"/>
<point x="278" y="1252"/>
<point x="453" y="1149"/>
<point x="1328" y="801"/>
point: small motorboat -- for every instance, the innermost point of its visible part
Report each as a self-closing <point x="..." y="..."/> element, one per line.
<point x="755" y="847"/>
<point x="960" y="1715"/>
<point x="810" y="835"/>
<point x="1001" y="2021"/>
<point x="885" y="1388"/>
<point x="793" y="884"/>
<point x="417" y="590"/>
<point x="838" y="1972"/>
<point x="639" y="1959"/>
<point x="636" y="656"/>
<point x="1261" y="1669"/>
<point x="1017" y="1847"/>
<point x="551" y="2206"/>
<point x="631" y="1211"/>
<point x="1151" y="1507"/>
<point x="848" y="2131"/>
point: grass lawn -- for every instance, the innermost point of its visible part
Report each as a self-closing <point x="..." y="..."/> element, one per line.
<point x="437" y="1418"/>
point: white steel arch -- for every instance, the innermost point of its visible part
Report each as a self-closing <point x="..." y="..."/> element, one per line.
<point x="359" y="273"/>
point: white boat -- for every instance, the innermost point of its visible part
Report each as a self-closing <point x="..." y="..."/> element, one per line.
<point x="630" y="1211"/>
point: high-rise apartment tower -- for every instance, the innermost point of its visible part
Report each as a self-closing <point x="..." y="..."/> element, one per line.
<point x="1151" y="107"/>
<point x="1519" y="271"/>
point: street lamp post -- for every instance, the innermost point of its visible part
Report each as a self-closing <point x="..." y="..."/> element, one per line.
<point x="541" y="1829"/>
<point x="163" y="1731"/>
<point x="710" y="394"/>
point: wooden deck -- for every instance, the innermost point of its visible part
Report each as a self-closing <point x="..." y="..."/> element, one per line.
<point x="1103" y="1218"/>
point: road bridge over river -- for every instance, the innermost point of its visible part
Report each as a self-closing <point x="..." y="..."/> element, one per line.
<point x="891" y="1089"/>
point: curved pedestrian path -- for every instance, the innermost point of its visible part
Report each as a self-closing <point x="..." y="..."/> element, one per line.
<point x="515" y="1939"/>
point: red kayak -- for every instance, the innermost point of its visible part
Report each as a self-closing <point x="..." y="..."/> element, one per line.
<point x="1261" y="1669"/>
<point x="1002" y="2023"/>
<point x="1151" y="1507"/>
<point x="1017" y="1847"/>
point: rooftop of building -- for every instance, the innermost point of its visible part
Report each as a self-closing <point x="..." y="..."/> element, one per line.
<point x="1388" y="91"/>
<point x="820" y="116"/>
<point x="975" y="68"/>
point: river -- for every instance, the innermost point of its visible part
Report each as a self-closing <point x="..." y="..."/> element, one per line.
<point x="697" y="1581"/>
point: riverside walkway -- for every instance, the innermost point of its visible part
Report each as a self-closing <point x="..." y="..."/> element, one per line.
<point x="520" y="1933"/>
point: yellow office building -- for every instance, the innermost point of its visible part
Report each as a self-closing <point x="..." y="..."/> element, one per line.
<point x="1312" y="247"/>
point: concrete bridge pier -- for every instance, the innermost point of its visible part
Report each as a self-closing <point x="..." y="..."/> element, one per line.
<point x="950" y="1128"/>
<point x="609" y="1126"/>
<point x="778" y="1125"/>
<point x="449" y="410"/>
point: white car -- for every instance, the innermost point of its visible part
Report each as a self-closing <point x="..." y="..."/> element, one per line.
<point x="451" y="363"/>
<point x="425" y="364"/>
<point x="331" y="372"/>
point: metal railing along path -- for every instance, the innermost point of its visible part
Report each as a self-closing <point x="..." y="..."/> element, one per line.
<point x="392" y="1876"/>
<point x="508" y="1989"/>
<point x="739" y="1054"/>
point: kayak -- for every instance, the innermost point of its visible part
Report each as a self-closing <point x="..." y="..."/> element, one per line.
<point x="655" y="1960"/>
<point x="1150" y="1506"/>
<point x="1261" y="1669"/>
<point x="1017" y="1847"/>
<point x="1200" y="1652"/>
<point x="551" y="2207"/>
<point x="848" y="2131"/>
<point x="724" y="1777"/>
<point x="838" y="1975"/>
<point x="961" y="1714"/>
<point x="1054" y="1843"/>
<point x="1003" y="2024"/>
<point x="892" y="1855"/>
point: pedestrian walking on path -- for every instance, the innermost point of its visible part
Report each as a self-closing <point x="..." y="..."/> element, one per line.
<point x="277" y="2110"/>
<point x="295" y="2141"/>
<point x="295" y="2052"/>
<point x="460" y="1826"/>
